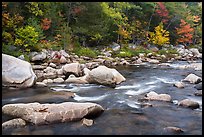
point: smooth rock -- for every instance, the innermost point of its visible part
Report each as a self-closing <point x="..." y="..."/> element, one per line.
<point x="16" y="72"/>
<point x="39" y="114"/>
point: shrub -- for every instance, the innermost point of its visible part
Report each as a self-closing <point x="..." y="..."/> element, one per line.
<point x="26" y="37"/>
<point x="82" y="51"/>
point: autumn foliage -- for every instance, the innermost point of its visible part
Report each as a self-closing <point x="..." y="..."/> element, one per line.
<point x="184" y="32"/>
<point x="45" y="24"/>
<point x="160" y="37"/>
<point x="162" y="12"/>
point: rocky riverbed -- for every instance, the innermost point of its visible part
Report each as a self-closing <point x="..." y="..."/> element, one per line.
<point x="143" y="94"/>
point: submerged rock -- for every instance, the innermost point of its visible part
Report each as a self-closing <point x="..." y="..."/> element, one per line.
<point x="16" y="72"/>
<point x="39" y="114"/>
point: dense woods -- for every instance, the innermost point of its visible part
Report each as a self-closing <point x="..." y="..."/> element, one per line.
<point x="81" y="26"/>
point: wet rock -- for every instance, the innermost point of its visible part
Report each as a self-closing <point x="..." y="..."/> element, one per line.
<point x="160" y="97"/>
<point x="14" y="123"/>
<point x="73" y="68"/>
<point x="198" y="93"/>
<point x="188" y="103"/>
<point x="179" y="84"/>
<point x="198" y="86"/>
<point x="58" y="80"/>
<point x="87" y="122"/>
<point x="192" y="78"/>
<point x="16" y="72"/>
<point x="174" y="129"/>
<point x="39" y="114"/>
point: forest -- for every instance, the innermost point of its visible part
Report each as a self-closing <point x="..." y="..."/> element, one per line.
<point x="85" y="27"/>
<point x="101" y="68"/>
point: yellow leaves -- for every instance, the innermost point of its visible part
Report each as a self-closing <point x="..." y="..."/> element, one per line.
<point x="196" y="19"/>
<point x="160" y="37"/>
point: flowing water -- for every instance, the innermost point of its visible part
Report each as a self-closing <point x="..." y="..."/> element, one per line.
<point x="125" y="112"/>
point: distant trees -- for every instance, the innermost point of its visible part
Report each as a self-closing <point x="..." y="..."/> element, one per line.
<point x="67" y="24"/>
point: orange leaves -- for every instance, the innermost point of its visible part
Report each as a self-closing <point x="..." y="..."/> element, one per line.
<point x="184" y="32"/>
<point x="46" y="23"/>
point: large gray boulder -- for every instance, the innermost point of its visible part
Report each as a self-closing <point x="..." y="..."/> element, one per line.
<point x="40" y="114"/>
<point x="105" y="76"/>
<point x="16" y="72"/>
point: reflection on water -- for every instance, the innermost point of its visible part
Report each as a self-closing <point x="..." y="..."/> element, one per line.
<point x="123" y="112"/>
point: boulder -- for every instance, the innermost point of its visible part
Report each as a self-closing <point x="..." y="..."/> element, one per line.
<point x="161" y="97"/>
<point x="192" y="78"/>
<point x="16" y="72"/>
<point x="105" y="76"/>
<point x="72" y="68"/>
<point x="188" y="103"/>
<point x="40" y="114"/>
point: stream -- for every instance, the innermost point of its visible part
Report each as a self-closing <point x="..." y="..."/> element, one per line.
<point x="125" y="112"/>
